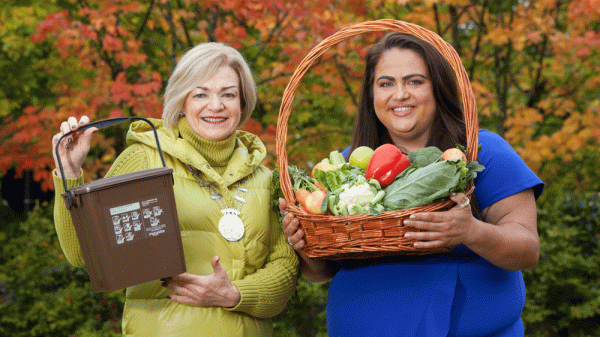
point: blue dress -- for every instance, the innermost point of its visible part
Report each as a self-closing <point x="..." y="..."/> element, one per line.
<point x="450" y="294"/>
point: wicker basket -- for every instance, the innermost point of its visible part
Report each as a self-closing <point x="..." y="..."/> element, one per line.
<point x="364" y="236"/>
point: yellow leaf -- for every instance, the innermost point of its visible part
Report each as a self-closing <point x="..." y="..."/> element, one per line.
<point x="499" y="36"/>
<point x="574" y="143"/>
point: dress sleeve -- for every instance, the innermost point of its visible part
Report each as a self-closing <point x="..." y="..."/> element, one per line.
<point x="133" y="158"/>
<point x="265" y="293"/>
<point x="505" y="172"/>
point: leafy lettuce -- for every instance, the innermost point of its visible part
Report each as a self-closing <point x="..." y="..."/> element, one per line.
<point x="422" y="185"/>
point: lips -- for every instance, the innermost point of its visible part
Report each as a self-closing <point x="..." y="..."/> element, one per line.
<point x="214" y="120"/>
<point x="402" y="111"/>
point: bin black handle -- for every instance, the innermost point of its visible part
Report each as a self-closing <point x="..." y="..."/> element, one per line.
<point x="100" y="124"/>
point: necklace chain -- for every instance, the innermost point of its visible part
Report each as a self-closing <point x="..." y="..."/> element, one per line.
<point x="239" y="198"/>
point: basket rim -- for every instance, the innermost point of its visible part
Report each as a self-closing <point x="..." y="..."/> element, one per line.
<point x="447" y="51"/>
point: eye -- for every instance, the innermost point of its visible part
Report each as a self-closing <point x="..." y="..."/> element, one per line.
<point x="385" y="84"/>
<point x="229" y="95"/>
<point x="415" y="82"/>
<point x="199" y="95"/>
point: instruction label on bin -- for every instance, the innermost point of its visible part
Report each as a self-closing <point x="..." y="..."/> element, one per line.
<point x="137" y="221"/>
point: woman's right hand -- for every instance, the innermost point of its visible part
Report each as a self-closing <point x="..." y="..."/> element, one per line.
<point x="290" y="226"/>
<point x="316" y="270"/>
<point x="74" y="148"/>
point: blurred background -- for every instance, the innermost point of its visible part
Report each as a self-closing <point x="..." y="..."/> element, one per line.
<point x="534" y="68"/>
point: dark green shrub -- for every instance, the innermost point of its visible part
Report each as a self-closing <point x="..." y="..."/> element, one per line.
<point x="41" y="294"/>
<point x="563" y="290"/>
<point x="305" y="312"/>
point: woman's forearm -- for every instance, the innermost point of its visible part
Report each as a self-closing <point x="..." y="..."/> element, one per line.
<point x="316" y="270"/>
<point x="508" y="238"/>
<point x="509" y="245"/>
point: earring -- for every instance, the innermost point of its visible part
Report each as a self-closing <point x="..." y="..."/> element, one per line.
<point x="181" y="114"/>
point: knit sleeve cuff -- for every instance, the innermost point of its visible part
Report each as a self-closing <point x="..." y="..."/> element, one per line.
<point x="58" y="182"/>
<point x="249" y="296"/>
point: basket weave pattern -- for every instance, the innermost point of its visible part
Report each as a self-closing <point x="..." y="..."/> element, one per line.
<point x="363" y="236"/>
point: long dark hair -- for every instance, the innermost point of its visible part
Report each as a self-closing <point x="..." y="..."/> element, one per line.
<point x="448" y="128"/>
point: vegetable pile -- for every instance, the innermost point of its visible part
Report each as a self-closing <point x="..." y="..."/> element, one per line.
<point x="390" y="181"/>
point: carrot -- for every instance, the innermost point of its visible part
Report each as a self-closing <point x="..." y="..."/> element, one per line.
<point x="301" y="195"/>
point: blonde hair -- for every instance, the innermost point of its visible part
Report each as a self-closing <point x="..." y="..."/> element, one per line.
<point x="200" y="63"/>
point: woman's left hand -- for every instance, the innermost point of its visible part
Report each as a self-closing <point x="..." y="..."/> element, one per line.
<point x="214" y="290"/>
<point x="443" y="229"/>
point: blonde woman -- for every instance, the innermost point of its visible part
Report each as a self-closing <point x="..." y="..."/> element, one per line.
<point x="237" y="278"/>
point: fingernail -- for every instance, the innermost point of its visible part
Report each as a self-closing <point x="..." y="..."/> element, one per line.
<point x="407" y="235"/>
<point x="67" y="146"/>
<point x="73" y="126"/>
<point x="81" y="122"/>
<point x="412" y="216"/>
<point x="453" y="194"/>
<point x="70" y="140"/>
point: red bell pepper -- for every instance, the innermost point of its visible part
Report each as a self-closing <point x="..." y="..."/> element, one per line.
<point x="386" y="163"/>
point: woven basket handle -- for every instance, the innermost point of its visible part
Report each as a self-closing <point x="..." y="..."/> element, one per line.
<point x="469" y="104"/>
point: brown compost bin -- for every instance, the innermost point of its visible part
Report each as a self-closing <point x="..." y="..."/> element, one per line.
<point x="127" y="225"/>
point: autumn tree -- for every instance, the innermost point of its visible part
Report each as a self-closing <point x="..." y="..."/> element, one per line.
<point x="112" y="58"/>
<point x="530" y="63"/>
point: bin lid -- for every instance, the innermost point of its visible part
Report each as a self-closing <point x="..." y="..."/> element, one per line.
<point x="121" y="179"/>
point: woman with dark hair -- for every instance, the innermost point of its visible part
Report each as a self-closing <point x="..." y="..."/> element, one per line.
<point x="410" y="98"/>
<point x="448" y="128"/>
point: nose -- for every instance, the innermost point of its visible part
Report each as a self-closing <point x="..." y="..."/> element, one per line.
<point x="215" y="103"/>
<point x="401" y="93"/>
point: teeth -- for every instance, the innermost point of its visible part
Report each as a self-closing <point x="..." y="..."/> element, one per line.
<point x="402" y="109"/>
<point x="214" y="120"/>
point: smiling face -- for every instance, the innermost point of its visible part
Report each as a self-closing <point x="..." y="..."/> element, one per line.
<point x="213" y="107"/>
<point x="403" y="98"/>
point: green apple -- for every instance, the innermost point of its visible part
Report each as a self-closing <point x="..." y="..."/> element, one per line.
<point x="361" y="156"/>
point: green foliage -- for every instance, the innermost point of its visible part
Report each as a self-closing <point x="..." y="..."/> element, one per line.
<point x="563" y="290"/>
<point x="578" y="174"/>
<point x="26" y="81"/>
<point x="41" y="294"/>
<point x="305" y="313"/>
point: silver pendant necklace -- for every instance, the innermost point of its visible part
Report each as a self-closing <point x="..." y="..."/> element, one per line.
<point x="231" y="226"/>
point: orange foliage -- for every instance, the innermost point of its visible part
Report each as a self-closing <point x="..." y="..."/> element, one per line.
<point x="112" y="58"/>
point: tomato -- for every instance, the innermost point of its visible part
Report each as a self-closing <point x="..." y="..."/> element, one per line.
<point x="454" y="153"/>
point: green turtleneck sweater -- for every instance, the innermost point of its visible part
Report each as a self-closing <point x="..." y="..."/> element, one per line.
<point x="216" y="153"/>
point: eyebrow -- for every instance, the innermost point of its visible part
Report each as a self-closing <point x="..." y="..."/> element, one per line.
<point x="385" y="77"/>
<point x="222" y="89"/>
